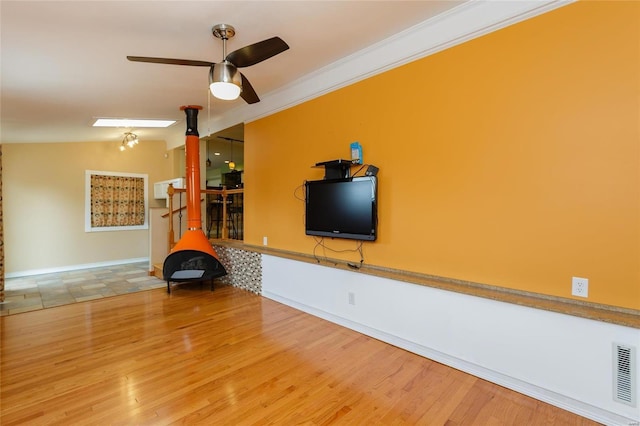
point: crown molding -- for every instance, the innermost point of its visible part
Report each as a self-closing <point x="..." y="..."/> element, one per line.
<point x="465" y="22"/>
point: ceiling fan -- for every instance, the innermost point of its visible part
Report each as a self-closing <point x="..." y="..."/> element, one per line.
<point x="225" y="81"/>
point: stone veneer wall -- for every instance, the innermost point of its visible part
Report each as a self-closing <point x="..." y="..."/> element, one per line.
<point x="1" y="236"/>
<point x="244" y="268"/>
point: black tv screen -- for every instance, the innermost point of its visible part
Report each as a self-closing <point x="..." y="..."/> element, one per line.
<point x="233" y="179"/>
<point x="342" y="208"/>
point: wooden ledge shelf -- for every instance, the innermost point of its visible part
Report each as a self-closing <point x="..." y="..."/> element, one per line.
<point x="593" y="311"/>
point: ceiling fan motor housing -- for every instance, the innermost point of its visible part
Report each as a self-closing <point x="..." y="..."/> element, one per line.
<point x="225" y="72"/>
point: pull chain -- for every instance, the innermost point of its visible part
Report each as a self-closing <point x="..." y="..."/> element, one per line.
<point x="208" y="112"/>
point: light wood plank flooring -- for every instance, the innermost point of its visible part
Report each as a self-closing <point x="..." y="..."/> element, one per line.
<point x="230" y="357"/>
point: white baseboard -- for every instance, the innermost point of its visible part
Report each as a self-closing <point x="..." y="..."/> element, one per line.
<point x="74" y="267"/>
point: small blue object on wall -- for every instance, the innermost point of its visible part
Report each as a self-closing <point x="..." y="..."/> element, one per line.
<point x="356" y="153"/>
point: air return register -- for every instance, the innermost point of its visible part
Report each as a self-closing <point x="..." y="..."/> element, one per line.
<point x="624" y="374"/>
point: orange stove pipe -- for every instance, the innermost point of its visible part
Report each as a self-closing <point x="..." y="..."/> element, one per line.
<point x="192" y="150"/>
<point x="193" y="238"/>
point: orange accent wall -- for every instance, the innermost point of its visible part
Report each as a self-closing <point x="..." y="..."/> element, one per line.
<point x="511" y="160"/>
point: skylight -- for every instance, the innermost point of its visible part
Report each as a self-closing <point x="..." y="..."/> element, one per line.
<point x="126" y="122"/>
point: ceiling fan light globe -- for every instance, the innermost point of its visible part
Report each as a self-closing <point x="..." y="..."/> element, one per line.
<point x="225" y="91"/>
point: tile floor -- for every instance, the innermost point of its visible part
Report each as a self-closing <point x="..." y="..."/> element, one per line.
<point x="35" y="292"/>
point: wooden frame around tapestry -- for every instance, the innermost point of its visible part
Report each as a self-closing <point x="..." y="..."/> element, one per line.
<point x="115" y="201"/>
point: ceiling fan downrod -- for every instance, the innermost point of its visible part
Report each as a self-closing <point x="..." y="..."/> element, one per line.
<point x="223" y="32"/>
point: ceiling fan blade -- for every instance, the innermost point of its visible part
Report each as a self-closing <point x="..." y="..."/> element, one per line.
<point x="257" y="52"/>
<point x="170" y="61"/>
<point x="248" y="94"/>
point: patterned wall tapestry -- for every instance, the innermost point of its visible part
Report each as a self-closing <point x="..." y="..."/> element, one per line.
<point x="117" y="201"/>
<point x="1" y="235"/>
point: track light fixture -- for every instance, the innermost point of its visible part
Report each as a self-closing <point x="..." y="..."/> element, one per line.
<point x="129" y="141"/>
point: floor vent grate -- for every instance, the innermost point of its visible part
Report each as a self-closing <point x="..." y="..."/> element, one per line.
<point x="624" y="374"/>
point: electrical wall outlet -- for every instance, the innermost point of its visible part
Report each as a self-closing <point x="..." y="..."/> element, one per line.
<point x="264" y="241"/>
<point x="580" y="287"/>
<point x="352" y="298"/>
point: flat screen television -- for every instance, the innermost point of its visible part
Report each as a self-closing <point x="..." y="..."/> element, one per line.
<point x="342" y="208"/>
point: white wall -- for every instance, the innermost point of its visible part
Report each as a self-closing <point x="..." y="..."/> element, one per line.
<point x="560" y="359"/>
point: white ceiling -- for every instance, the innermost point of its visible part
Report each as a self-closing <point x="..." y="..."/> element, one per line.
<point x="63" y="63"/>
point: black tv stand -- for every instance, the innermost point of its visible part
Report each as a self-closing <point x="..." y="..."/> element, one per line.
<point x="336" y="169"/>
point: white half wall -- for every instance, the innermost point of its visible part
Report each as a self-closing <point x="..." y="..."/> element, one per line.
<point x="563" y="360"/>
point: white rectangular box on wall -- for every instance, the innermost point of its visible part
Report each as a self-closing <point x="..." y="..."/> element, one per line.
<point x="160" y="188"/>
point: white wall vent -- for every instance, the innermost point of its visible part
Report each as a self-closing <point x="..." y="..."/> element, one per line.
<point x="624" y="374"/>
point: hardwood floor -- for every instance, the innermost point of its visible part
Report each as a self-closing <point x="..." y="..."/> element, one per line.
<point x="230" y="357"/>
